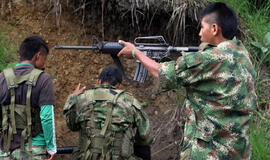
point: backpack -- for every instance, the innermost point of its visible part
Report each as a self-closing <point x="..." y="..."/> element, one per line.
<point x="104" y="142"/>
<point x="17" y="116"/>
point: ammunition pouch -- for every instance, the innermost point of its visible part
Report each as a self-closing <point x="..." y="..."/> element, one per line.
<point x="112" y="144"/>
<point x="127" y="144"/>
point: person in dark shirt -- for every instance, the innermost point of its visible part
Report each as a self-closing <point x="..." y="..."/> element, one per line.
<point x="23" y="86"/>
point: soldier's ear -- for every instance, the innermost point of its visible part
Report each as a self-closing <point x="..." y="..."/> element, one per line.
<point x="118" y="85"/>
<point x="98" y="81"/>
<point x="216" y="29"/>
<point x="36" y="57"/>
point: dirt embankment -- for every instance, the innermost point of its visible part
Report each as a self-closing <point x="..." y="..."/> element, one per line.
<point x="68" y="68"/>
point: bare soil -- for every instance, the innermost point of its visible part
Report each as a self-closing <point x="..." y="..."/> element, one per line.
<point x="68" y="68"/>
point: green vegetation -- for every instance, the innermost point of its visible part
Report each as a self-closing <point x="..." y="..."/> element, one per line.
<point x="259" y="137"/>
<point x="255" y="27"/>
<point x="7" y="50"/>
<point x="262" y="50"/>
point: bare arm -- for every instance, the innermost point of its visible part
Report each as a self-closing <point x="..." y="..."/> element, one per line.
<point x="151" y="65"/>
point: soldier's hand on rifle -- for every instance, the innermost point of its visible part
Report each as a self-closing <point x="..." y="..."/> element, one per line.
<point x="79" y="90"/>
<point x="127" y="50"/>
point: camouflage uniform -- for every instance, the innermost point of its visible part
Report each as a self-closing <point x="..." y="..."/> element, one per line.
<point x="37" y="153"/>
<point x="126" y="115"/>
<point x="219" y="82"/>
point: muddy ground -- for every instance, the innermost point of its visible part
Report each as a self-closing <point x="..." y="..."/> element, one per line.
<point x="68" y="68"/>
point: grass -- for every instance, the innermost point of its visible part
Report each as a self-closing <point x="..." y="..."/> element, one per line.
<point x="256" y="17"/>
<point x="259" y="138"/>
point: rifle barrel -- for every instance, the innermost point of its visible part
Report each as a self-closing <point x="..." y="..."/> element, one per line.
<point x="77" y="47"/>
<point x="185" y="49"/>
<point x="66" y="150"/>
<point x="193" y="48"/>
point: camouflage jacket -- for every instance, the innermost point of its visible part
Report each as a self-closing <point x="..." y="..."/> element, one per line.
<point x="126" y="113"/>
<point x="219" y="82"/>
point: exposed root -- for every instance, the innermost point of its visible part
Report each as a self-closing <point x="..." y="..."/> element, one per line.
<point x="172" y="127"/>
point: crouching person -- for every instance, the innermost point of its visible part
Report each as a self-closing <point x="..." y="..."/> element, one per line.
<point x="110" y="121"/>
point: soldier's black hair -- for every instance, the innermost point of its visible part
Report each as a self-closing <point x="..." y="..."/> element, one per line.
<point x="111" y="75"/>
<point x="32" y="45"/>
<point x="225" y="18"/>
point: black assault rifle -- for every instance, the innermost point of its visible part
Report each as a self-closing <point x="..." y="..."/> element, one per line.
<point x="143" y="152"/>
<point x="155" y="47"/>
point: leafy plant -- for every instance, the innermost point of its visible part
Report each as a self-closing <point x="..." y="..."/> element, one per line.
<point x="263" y="50"/>
<point x="261" y="60"/>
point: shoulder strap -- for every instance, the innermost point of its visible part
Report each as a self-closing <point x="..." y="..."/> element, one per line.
<point x="10" y="78"/>
<point x="34" y="77"/>
<point x="119" y="92"/>
<point x="31" y="82"/>
<point x="13" y="81"/>
<point x="109" y="112"/>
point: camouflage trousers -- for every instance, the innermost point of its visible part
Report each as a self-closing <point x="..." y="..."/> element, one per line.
<point x="197" y="149"/>
<point x="38" y="153"/>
